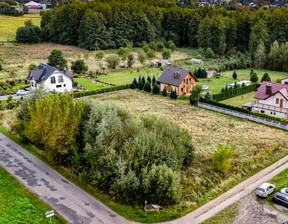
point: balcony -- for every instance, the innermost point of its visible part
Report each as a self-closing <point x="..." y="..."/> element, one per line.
<point x="269" y="107"/>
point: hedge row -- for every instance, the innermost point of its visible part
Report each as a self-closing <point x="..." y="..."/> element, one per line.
<point x="243" y="110"/>
<point x="98" y="91"/>
<point x="235" y="92"/>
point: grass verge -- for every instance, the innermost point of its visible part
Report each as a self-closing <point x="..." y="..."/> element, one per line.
<point x="19" y="205"/>
<point x="238" y="101"/>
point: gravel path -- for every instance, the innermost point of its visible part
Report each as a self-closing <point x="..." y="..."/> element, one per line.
<point x="72" y="203"/>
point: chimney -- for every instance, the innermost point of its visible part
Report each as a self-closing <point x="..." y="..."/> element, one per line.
<point x="176" y="75"/>
<point x="58" y="67"/>
<point x="268" y="89"/>
<point x="40" y="66"/>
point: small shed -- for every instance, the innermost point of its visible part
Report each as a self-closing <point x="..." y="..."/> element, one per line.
<point x="196" y="61"/>
<point x="163" y="63"/>
<point x="211" y="73"/>
<point x="240" y="83"/>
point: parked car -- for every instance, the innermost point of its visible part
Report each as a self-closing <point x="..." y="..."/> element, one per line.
<point x="265" y="190"/>
<point x="284" y="191"/>
<point x="22" y="92"/>
<point x="281" y="199"/>
<point x="205" y="87"/>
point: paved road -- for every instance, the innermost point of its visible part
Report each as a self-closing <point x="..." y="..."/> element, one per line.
<point x="14" y="96"/>
<point x="74" y="204"/>
<point x="233" y="195"/>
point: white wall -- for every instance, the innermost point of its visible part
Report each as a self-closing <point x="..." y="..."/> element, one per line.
<point x="284" y="81"/>
<point x="270" y="112"/>
<point x="57" y="87"/>
<point x="272" y="100"/>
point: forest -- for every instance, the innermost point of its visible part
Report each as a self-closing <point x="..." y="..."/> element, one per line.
<point x="115" y="23"/>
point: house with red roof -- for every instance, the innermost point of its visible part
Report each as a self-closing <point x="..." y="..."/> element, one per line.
<point x="272" y="99"/>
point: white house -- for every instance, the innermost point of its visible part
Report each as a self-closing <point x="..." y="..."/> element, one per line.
<point x="272" y="100"/>
<point x="52" y="79"/>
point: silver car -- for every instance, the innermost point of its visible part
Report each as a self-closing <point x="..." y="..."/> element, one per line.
<point x="284" y="191"/>
<point x="21" y="92"/>
<point x="265" y="190"/>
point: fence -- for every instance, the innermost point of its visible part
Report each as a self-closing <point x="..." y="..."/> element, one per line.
<point x="247" y="116"/>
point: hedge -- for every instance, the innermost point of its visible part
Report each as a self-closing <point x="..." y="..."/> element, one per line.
<point x="235" y="92"/>
<point x="268" y="117"/>
<point x="98" y="91"/>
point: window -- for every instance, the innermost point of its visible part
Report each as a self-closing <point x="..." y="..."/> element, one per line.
<point x="181" y="89"/>
<point x="64" y="85"/>
<point x="58" y="86"/>
<point x="270" y="112"/>
<point x="262" y="111"/>
<point x="60" y="78"/>
<point x="53" y="80"/>
<point x="186" y="81"/>
<point x="32" y="84"/>
<point x="277" y="100"/>
<point x="189" y="79"/>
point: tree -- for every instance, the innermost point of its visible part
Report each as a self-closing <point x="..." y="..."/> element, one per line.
<point x="164" y="92"/>
<point x="28" y="34"/>
<point x="130" y="60"/>
<point x="123" y="52"/>
<point x="235" y="85"/>
<point x="150" y="55"/>
<point x="254" y="77"/>
<point x="266" y="77"/>
<point x="58" y="128"/>
<point x="142" y="57"/>
<point x="153" y="80"/>
<point x="79" y="66"/>
<point x="32" y="67"/>
<point x="140" y="84"/>
<point x="147" y="87"/>
<point x="166" y="53"/>
<point x="234" y="75"/>
<point x="209" y="53"/>
<point x="171" y="45"/>
<point x="149" y="79"/>
<point x="113" y="61"/>
<point x="226" y="88"/>
<point x="134" y="84"/>
<point x="195" y="94"/>
<point x="156" y="88"/>
<point x="260" y="56"/>
<point x="56" y="58"/>
<point x="274" y="56"/>
<point x="208" y="96"/>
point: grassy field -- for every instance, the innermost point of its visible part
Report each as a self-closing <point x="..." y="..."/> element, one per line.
<point x="238" y="101"/>
<point x="126" y="77"/>
<point x="10" y="24"/>
<point x="18" y="205"/>
<point x="88" y="83"/>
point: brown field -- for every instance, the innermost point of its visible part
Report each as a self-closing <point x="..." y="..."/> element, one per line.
<point x="256" y="145"/>
<point x="18" y="57"/>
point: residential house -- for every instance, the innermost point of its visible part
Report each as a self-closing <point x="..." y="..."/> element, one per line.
<point x="272" y="99"/>
<point x="181" y="80"/>
<point x="52" y="79"/>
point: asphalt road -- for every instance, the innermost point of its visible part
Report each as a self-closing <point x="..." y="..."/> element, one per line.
<point x="72" y="203"/>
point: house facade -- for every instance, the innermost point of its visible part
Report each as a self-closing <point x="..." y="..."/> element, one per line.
<point x="181" y="80"/>
<point x="272" y="99"/>
<point x="51" y="78"/>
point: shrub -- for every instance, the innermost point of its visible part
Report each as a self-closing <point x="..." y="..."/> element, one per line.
<point x="150" y="55"/>
<point x="130" y="60"/>
<point x="142" y="57"/>
<point x="266" y="77"/>
<point x="209" y="53"/>
<point x="123" y="52"/>
<point x="208" y="96"/>
<point x="113" y="61"/>
<point x="166" y="53"/>
<point x="28" y="34"/>
<point x="147" y="87"/>
<point x="160" y="46"/>
<point x="79" y="66"/>
<point x="100" y="54"/>
<point x="171" y="45"/>
<point x="254" y="77"/>
<point x="134" y="84"/>
<point x="195" y="94"/>
<point x="146" y="48"/>
<point x="32" y="67"/>
<point x="221" y="158"/>
<point x="234" y="75"/>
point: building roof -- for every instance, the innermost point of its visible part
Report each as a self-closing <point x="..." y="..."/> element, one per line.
<point x="174" y="76"/>
<point x="275" y="87"/>
<point x="43" y="71"/>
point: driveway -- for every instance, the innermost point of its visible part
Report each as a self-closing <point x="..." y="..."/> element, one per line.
<point x="74" y="204"/>
<point x="14" y="96"/>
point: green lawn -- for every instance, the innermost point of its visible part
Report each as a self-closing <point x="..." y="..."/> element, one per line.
<point x="9" y="25"/>
<point x="215" y="85"/>
<point x="18" y="205"/>
<point x="126" y="77"/>
<point x="238" y="101"/>
<point x="88" y="84"/>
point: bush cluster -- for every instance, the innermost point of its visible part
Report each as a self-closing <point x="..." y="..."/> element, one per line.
<point x="200" y="73"/>
<point x="8" y="10"/>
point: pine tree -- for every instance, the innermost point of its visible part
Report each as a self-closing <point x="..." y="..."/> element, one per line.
<point x="226" y="88"/>
<point x="56" y="58"/>
<point x="254" y="77"/>
<point x="139" y="79"/>
<point x="234" y="75"/>
<point x="266" y="77"/>
<point x="153" y="80"/>
<point x="164" y="92"/>
<point x="149" y="79"/>
<point x="134" y="84"/>
<point x="156" y="88"/>
<point x="235" y="85"/>
<point x="172" y="94"/>
<point x="208" y="96"/>
<point x="143" y="80"/>
<point x="223" y="90"/>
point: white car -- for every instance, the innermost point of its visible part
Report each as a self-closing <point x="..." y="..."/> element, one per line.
<point x="204" y="87"/>
<point x="265" y="190"/>
<point x="284" y="191"/>
<point x="21" y="92"/>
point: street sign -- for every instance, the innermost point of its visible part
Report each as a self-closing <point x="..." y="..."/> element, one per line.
<point x="49" y="214"/>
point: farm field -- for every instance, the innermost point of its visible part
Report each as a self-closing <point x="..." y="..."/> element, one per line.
<point x="10" y="24"/>
<point x="254" y="149"/>
<point x="238" y="101"/>
<point x="18" y="205"/>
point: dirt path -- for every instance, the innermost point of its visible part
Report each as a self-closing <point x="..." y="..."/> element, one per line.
<point x="74" y="204"/>
<point x="255" y="210"/>
<point x="233" y="195"/>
